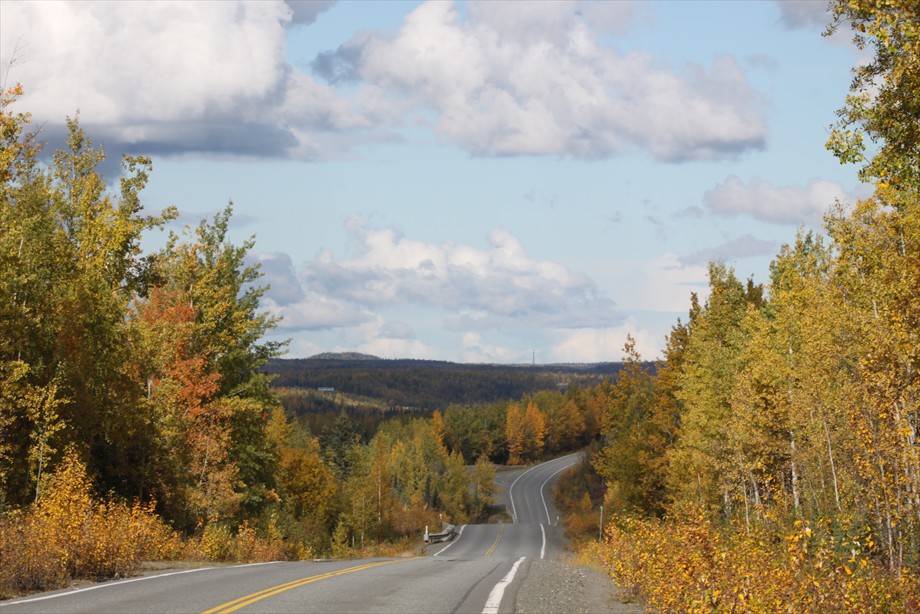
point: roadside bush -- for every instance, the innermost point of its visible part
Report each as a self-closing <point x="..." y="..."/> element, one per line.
<point x="686" y="564"/>
<point x="68" y="535"/>
<point x="577" y="496"/>
<point x="219" y="543"/>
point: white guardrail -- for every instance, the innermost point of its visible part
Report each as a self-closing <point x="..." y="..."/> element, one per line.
<point x="448" y="531"/>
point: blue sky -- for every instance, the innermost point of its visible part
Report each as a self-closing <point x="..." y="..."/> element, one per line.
<point x="476" y="182"/>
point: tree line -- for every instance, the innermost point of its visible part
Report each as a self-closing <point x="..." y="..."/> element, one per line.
<point x="141" y="378"/>
<point x="791" y="411"/>
<point x="428" y="384"/>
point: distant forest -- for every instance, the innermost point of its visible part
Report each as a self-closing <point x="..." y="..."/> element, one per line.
<point x="423" y="385"/>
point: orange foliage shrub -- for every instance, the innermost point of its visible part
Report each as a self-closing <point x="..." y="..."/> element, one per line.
<point x="685" y="564"/>
<point x="67" y="535"/>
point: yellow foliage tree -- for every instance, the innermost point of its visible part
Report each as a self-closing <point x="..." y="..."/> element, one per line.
<point x="515" y="434"/>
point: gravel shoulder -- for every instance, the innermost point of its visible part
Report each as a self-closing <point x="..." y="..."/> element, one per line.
<point x="551" y="587"/>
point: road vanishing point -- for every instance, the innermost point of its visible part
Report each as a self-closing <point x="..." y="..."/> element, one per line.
<point x="479" y="571"/>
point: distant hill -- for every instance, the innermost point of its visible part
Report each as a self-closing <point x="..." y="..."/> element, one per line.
<point x="346" y="356"/>
<point x="429" y="384"/>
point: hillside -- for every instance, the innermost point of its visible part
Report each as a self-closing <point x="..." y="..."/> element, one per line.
<point x="429" y="384"/>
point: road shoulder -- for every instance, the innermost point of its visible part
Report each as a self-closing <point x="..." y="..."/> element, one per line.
<point x="554" y="586"/>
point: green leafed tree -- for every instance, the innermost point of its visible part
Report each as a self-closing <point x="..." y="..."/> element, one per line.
<point x="71" y="265"/>
<point x="205" y="375"/>
<point x="703" y="463"/>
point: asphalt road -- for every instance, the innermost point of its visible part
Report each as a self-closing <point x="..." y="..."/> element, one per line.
<point x="480" y="570"/>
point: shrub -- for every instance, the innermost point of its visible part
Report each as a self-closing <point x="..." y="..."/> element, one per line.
<point x="67" y="535"/>
<point x="686" y="564"/>
<point x="219" y="543"/>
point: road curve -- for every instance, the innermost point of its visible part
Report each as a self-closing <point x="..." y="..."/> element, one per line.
<point x="481" y="570"/>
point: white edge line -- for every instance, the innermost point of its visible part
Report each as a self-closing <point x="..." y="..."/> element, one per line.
<point x="543" y="547"/>
<point x="128" y="581"/>
<point x="452" y="542"/>
<point x="107" y="584"/>
<point x="545" y="508"/>
<point x="511" y="492"/>
<point x="511" y="496"/>
<point x="511" y="488"/>
<point x="495" y="597"/>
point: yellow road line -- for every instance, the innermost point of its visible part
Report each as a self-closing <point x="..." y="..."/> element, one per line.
<point x="242" y="602"/>
<point x="498" y="538"/>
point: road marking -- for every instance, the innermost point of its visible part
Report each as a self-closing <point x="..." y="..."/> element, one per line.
<point x="495" y="597"/>
<point x="543" y="547"/>
<point x="242" y="602"/>
<point x="511" y="492"/>
<point x="542" y="486"/>
<point x="455" y="540"/>
<point x="498" y="538"/>
<point x="106" y="585"/>
<point x="511" y="489"/>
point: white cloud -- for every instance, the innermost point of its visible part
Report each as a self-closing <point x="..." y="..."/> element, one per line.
<point x="605" y="344"/>
<point x="278" y="274"/>
<point x="148" y="61"/>
<point x="315" y="312"/>
<point x="470" y="289"/>
<point x="306" y="11"/>
<point x="302" y="309"/>
<point x="499" y="286"/>
<point x="763" y="200"/>
<point x="508" y="79"/>
<point x="475" y="350"/>
<point x="539" y="83"/>
<point x="171" y="77"/>
<point x="745" y="246"/>
<point x="396" y="329"/>
<point x="660" y="285"/>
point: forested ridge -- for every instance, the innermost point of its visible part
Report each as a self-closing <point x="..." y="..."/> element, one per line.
<point x="429" y="384"/>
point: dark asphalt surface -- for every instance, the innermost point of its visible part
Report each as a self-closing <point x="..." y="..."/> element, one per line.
<point x="481" y="570"/>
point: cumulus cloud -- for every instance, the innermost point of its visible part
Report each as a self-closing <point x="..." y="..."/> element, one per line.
<point x="172" y="77"/>
<point x="306" y="11"/>
<point x="498" y="286"/>
<point x="477" y="350"/>
<point x="605" y="344"/>
<point x="315" y="312"/>
<point x="501" y="287"/>
<point x="299" y="308"/>
<point x="395" y="329"/>
<point x="278" y="274"/>
<point x="540" y="83"/>
<point x="742" y="247"/>
<point x="763" y="200"/>
<point x="500" y="79"/>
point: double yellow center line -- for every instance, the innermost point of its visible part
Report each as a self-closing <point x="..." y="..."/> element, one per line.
<point x="498" y="538"/>
<point x="242" y="602"/>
